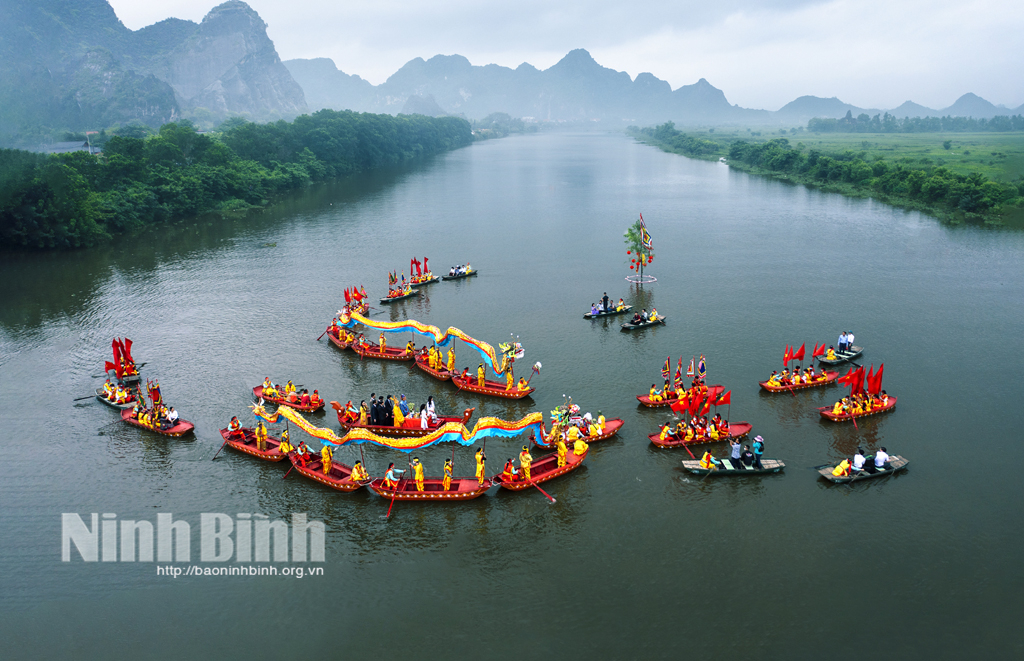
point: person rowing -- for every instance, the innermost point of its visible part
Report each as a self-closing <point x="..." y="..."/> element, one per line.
<point x="831" y="353"/>
<point x="509" y="472"/>
<point x="392" y="476"/>
<point x="708" y="461"/>
<point x="654" y="314"/>
<point x="234" y="427"/>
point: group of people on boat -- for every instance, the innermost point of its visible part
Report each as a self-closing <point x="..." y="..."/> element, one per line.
<point x="859" y="463"/>
<point x="745" y="455"/>
<point x="644" y="317"/>
<point x="860" y="403"/>
<point x="797" y="377"/>
<point x="606" y="306"/>
<point x="845" y="342"/>
<point x="696" y="430"/>
<point x="436" y="359"/>
<point x="117" y="393"/>
<point x="670" y="393"/>
<point x="157" y="417"/>
<point x="460" y="270"/>
<point x="290" y="394"/>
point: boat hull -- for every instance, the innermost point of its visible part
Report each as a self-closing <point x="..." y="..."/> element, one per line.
<point x="842" y="357"/>
<point x="646" y="324"/>
<point x="611" y="428"/>
<point x="421" y="362"/>
<point x="390" y="353"/>
<point x="462" y="488"/>
<point x="826" y="412"/>
<point x="612" y="313"/>
<point x="309" y="408"/>
<point x="830" y="378"/>
<point x="338" y="479"/>
<point x="411" y="428"/>
<point x="180" y="429"/>
<point x="896" y="464"/>
<point x="127" y="405"/>
<point x="460" y="277"/>
<point x="491" y="388"/>
<point x="392" y="299"/>
<point x="425" y="282"/>
<point x="337" y="341"/>
<point x="245" y="441"/>
<point x="736" y="430"/>
<point x="730" y="468"/>
<point x="543" y="469"/>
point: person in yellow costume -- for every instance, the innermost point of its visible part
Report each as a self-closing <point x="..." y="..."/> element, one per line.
<point x="620" y="307"/>
<point x="843" y="469"/>
<point x="359" y="473"/>
<point x="666" y="431"/>
<point x="830" y="354"/>
<point x="417" y="469"/>
<point x="510" y="380"/>
<point x="261" y="436"/>
<point x="708" y="462"/>
<point x="654" y="395"/>
<point x="382" y="342"/>
<point x="522" y="385"/>
<point x="285" y="446"/>
<point x="525" y="459"/>
<point x="364" y="413"/>
<point x="290" y="388"/>
<point x="431" y="358"/>
<point x="397" y="410"/>
<point x="285" y="438"/>
<point x="481" y="458"/>
<point x="837" y="408"/>
<point x="593" y="429"/>
<point x="562" y="450"/>
<point x="573" y="433"/>
<point x="446" y="482"/>
<point x="654" y="315"/>
<point x="410" y="348"/>
<point x="480" y="374"/>
<point x="601" y="422"/>
<point x="325" y="457"/>
<point x="579" y="448"/>
<point x="451" y="360"/>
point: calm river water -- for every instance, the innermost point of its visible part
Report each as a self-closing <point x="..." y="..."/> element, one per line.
<point x="636" y="559"/>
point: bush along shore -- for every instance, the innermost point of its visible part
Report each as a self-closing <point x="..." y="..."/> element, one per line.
<point x="934" y="190"/>
<point x="77" y="199"/>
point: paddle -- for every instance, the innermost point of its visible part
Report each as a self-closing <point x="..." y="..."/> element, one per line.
<point x="78" y="399"/>
<point x="398" y="486"/>
<point x="322" y="334"/>
<point x="288" y="471"/>
<point x="219" y="449"/>
<point x="543" y="492"/>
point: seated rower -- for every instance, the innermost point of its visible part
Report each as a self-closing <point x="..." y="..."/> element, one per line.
<point x="359" y="473"/>
<point x="820" y="377"/>
<point x="785" y="379"/>
<point x="522" y="385"/>
<point x="666" y="433"/>
<point x="843" y="469"/>
<point x="881" y="459"/>
<point x="234" y="427"/>
<point x="392" y="477"/>
<point x="837" y="408"/>
<point x="708" y="462"/>
<point x="654" y="394"/>
<point x="285" y="447"/>
<point x="620" y="307"/>
<point x="314" y="399"/>
<point x="830" y="354"/>
<point x="410" y="348"/>
<point x="302" y="452"/>
<point x="509" y="473"/>
<point x="654" y="315"/>
<point x="289" y="388"/>
<point x="636" y="318"/>
<point x="723" y="429"/>
<point x="580" y="447"/>
<point x="108" y="389"/>
<point x="858" y="461"/>
<point x="775" y="379"/>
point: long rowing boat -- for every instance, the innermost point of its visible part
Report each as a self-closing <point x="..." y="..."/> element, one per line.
<point x="730" y="468"/>
<point x="337" y="340"/>
<point x="842" y="356"/>
<point x="180" y="428"/>
<point x="736" y="430"/>
<point x="428" y="281"/>
<point x="462" y="488"/>
<point x="460" y="276"/>
<point x="895" y="464"/>
<point x="492" y="388"/>
<point x="257" y="392"/>
<point x="390" y="353"/>
<point x="713" y="392"/>
<point x="339" y="478"/>
<point x="630" y="326"/>
<point x="100" y="395"/>
<point x="609" y="313"/>
<point x="611" y="428"/>
<point x="411" y="427"/>
<point x="440" y="375"/>
<point x="826" y="412"/>
<point x="244" y="440"/>
<point x="830" y="378"/>
<point x="541" y="470"/>
<point x="408" y="294"/>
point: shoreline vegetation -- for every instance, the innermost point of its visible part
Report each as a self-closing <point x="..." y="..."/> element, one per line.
<point x="77" y="200"/>
<point x="934" y="173"/>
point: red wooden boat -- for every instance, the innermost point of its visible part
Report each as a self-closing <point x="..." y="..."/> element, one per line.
<point x="713" y="391"/>
<point x="408" y="294"/>
<point x="830" y="377"/>
<point x="611" y="428"/>
<point x="338" y="479"/>
<point x="492" y="388"/>
<point x="308" y="408"/>
<point x="337" y="338"/>
<point x="440" y="375"/>
<point x="736" y="430"/>
<point x="826" y="412"/>
<point x="411" y="428"/>
<point x="181" y="428"/>
<point x="462" y="488"/>
<point x="244" y="440"/>
<point x="543" y="469"/>
<point x="390" y="353"/>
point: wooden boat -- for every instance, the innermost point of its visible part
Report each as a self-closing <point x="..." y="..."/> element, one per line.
<point x="842" y="356"/>
<point x="736" y="430"/>
<point x="338" y="340"/>
<point x="180" y="428"/>
<point x="462" y="488"/>
<point x="729" y="467"/>
<point x="308" y="408"/>
<point x="543" y="469"/>
<point x="830" y="378"/>
<point x="411" y="428"/>
<point x="631" y="326"/>
<point x="826" y="412"/>
<point x="610" y="313"/>
<point x="492" y="388"/>
<point x="611" y="428"/>
<point x="713" y="391"/>
<point x="440" y="375"/>
<point x="390" y="353"/>
<point x="896" y="464"/>
<point x="428" y="281"/>
<point x="127" y="405"/>
<point x="244" y="440"/>
<point x="338" y="479"/>
<point x="469" y="274"/>
<point x="408" y="294"/>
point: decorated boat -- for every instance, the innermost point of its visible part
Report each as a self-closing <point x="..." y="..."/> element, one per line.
<point x="830" y="378"/>
<point x="244" y="440"/>
<point x="611" y="428"/>
<point x="180" y="428"/>
<point x="339" y="478"/>
<point x="410" y="428"/>
<point x="490" y="388"/>
<point x="609" y="313"/>
<point x="123" y="367"/>
<point x="895" y="464"/>
<point x="101" y="395"/>
<point x="367" y="350"/>
<point x="409" y="293"/>
<point x="842" y="356"/>
<point x="459" y="276"/>
<point x="713" y="392"/>
<point x="630" y="326"/>
<point x="542" y="469"/>
<point x="826" y="411"/>
<point x="461" y="488"/>
<point x="257" y="392"/>
<point x="729" y="467"/>
<point x="426" y="279"/>
<point x="736" y="430"/>
<point x="440" y="375"/>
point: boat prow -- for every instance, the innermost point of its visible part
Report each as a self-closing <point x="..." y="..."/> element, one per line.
<point x="896" y="463"/>
<point x="440" y="375"/>
<point x="339" y="478"/>
<point x="390" y="353"/>
<point x="543" y="469"/>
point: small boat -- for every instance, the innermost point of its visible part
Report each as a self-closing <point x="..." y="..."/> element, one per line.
<point x="609" y="313"/>
<point x="127" y="378"/>
<point x="543" y="469"/>
<point x="180" y="428"/>
<point x="896" y="464"/>
<point x="468" y="274"/>
<point x="244" y="440"/>
<point x="713" y="391"/>
<point x="408" y="294"/>
<point x="462" y="488"/>
<point x="337" y="339"/>
<point x="611" y="428"/>
<point x="127" y="405"/>
<point x="411" y="428"/>
<point x="736" y="430"/>
<point x="842" y="356"/>
<point x="729" y="467"/>
<point x="826" y="412"/>
<point x="338" y="479"/>
<point x="257" y="392"/>
<point x="630" y="326"/>
<point x="830" y="378"/>
<point x="440" y="375"/>
<point x="421" y="283"/>
<point x="492" y="388"/>
<point x="390" y="353"/>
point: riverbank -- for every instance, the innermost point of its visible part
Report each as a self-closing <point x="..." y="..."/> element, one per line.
<point x="953" y="177"/>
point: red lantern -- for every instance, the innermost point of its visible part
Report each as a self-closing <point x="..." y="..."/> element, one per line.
<point x="629" y="252"/>
<point x="630" y="267"/>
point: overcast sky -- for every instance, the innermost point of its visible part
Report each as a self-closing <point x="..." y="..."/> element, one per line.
<point x="761" y="53"/>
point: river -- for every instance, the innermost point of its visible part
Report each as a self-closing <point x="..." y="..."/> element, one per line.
<point x="636" y="558"/>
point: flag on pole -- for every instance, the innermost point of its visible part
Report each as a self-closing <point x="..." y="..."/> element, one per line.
<point x="666" y="369"/>
<point x="645" y="236"/>
<point x="726" y="398"/>
<point x="799" y="354"/>
<point x="689" y="370"/>
<point x="702" y="368"/>
<point x="787" y="355"/>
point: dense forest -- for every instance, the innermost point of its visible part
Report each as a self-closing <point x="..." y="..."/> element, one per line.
<point x="932" y="189"/>
<point x="77" y="199"/>
<point x="887" y="123"/>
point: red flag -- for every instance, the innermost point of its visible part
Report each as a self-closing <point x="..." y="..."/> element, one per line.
<point x="707" y="407"/>
<point x="348" y="297"/>
<point x="109" y="366"/>
<point x="128" y="351"/>
<point x="871" y="377"/>
<point x="679" y="405"/>
<point x="117" y="357"/>
<point x="818" y="351"/>
<point x="799" y="355"/>
<point x="876" y="387"/>
<point x="724" y="399"/>
<point x="858" y="382"/>
<point x="787" y="356"/>
<point x="846" y="379"/>
<point x="695" y="404"/>
<point x="425" y="269"/>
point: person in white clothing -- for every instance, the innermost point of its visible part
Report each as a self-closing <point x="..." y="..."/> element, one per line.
<point x="858" y="460"/>
<point x="881" y="458"/>
<point x="172" y="417"/>
<point x="424" y="416"/>
<point x="849" y="341"/>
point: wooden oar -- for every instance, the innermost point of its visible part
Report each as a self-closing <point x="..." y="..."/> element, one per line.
<point x="393" y="495"/>
<point x="220" y="448"/>
<point x="78" y="399"/>
<point x="543" y="492"/>
<point x="322" y="334"/>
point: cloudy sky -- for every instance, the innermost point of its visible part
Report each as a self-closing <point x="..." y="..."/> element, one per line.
<point x="762" y="53"/>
